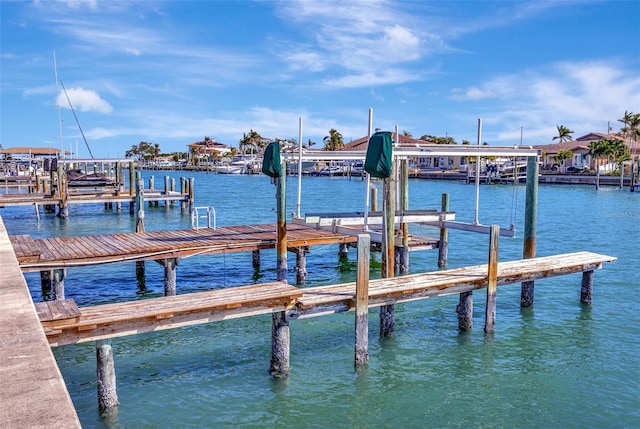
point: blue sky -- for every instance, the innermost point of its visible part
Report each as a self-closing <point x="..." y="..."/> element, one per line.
<point x="173" y="72"/>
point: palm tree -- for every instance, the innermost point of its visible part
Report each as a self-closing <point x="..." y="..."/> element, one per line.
<point x="406" y="133"/>
<point x="251" y="143"/>
<point x="563" y="155"/>
<point x="631" y="133"/>
<point x="564" y="134"/>
<point x="333" y="141"/>
<point x="596" y="150"/>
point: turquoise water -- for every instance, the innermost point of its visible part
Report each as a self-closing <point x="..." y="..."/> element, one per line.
<point x="559" y="364"/>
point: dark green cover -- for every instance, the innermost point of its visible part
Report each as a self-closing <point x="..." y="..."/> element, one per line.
<point x="271" y="164"/>
<point x="379" y="160"/>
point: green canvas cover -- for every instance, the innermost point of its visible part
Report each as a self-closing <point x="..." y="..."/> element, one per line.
<point x="271" y="164"/>
<point x="379" y="160"/>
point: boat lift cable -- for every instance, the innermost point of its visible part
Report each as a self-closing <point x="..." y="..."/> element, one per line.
<point x="75" y="116"/>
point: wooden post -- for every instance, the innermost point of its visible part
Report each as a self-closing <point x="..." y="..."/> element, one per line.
<point x="106" y="377"/>
<point x="255" y="259"/>
<point x="492" y="280"/>
<point x="280" y="341"/>
<point x="173" y="189"/>
<point x="192" y="195"/>
<point x="140" y="267"/>
<point x="374" y="198"/>
<point x="132" y="176"/>
<point x="46" y="277"/>
<point x="63" y="193"/>
<point x="169" y="265"/>
<point x="301" y="265"/>
<point x="464" y="310"/>
<point x="387" y="316"/>
<point x="58" y="283"/>
<point x="343" y="251"/>
<point x="167" y="181"/>
<point x="586" y="288"/>
<point x="183" y="191"/>
<point x="530" y="220"/>
<point x="443" y="245"/>
<point x="119" y="180"/>
<point x="362" y="301"/>
<point x="403" y="266"/>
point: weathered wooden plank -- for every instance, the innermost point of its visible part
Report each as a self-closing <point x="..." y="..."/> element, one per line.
<point x="119" y="319"/>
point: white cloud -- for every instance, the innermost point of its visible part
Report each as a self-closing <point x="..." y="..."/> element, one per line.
<point x="85" y="100"/>
<point x="579" y="95"/>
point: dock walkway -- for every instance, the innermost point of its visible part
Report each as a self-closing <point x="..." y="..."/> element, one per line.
<point x="127" y="318"/>
<point x="64" y="252"/>
<point x="32" y="391"/>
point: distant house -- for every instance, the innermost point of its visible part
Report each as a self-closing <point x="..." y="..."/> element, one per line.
<point x="579" y="147"/>
<point x="435" y="162"/>
<point x="207" y="149"/>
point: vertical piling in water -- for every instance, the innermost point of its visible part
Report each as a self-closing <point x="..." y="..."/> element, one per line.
<point x="183" y="191"/>
<point x="343" y="251"/>
<point x="464" y="310"/>
<point x="167" y="181"/>
<point x="169" y="265"/>
<point x="492" y="280"/>
<point x="301" y="265"/>
<point x="530" y="220"/>
<point x="255" y="259"/>
<point x="132" y="178"/>
<point x="191" y="194"/>
<point x="106" y="376"/>
<point x="403" y="252"/>
<point x="374" y="199"/>
<point x="46" y="277"/>
<point x="280" y="345"/>
<point x="586" y="288"/>
<point x="63" y="193"/>
<point x="443" y="245"/>
<point x="140" y="268"/>
<point x="173" y="189"/>
<point x="57" y="289"/>
<point x="387" y="312"/>
<point x="362" y="302"/>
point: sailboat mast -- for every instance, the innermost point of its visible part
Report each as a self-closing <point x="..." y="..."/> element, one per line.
<point x="55" y="69"/>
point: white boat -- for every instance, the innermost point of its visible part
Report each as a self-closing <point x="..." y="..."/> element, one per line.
<point x="241" y="164"/>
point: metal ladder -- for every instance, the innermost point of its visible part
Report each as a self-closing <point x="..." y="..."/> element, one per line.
<point x="196" y="216"/>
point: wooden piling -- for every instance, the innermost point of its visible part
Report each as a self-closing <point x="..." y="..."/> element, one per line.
<point x="362" y="302"/>
<point x="443" y="245"/>
<point x="58" y="283"/>
<point x="167" y="181"/>
<point x="464" y="310"/>
<point x="169" y="275"/>
<point x="343" y="251"/>
<point x="387" y="312"/>
<point x="492" y="280"/>
<point x="183" y="191"/>
<point x="586" y="288"/>
<point x="63" y="193"/>
<point x="403" y="252"/>
<point x="140" y="266"/>
<point x="132" y="176"/>
<point x="106" y="376"/>
<point x="191" y="193"/>
<point x="280" y="341"/>
<point x="301" y="265"/>
<point x="255" y="259"/>
<point x="530" y="220"/>
<point x="374" y="199"/>
<point x="46" y="277"/>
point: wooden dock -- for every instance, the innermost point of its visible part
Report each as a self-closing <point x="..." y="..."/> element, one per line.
<point x="66" y="324"/>
<point x="65" y="252"/>
<point x="32" y="390"/>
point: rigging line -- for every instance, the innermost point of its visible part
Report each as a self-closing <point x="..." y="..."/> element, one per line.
<point x="77" y="122"/>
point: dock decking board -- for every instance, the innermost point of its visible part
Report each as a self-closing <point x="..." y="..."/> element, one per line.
<point x="338" y="298"/>
<point x="134" y="317"/>
<point x="60" y="252"/>
<point x="127" y="318"/>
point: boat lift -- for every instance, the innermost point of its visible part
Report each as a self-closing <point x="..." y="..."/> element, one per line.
<point x="400" y="153"/>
